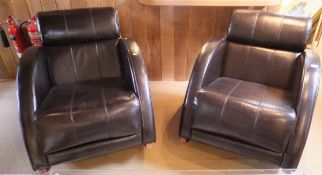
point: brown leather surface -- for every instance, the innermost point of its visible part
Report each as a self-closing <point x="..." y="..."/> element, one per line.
<point x="265" y="29"/>
<point x="63" y="118"/>
<point x="236" y="146"/>
<point x="270" y="67"/>
<point x="229" y="105"/>
<point x="82" y="62"/>
<point x="75" y="26"/>
<point x="85" y="92"/>
<point x="94" y="149"/>
<point x="254" y="92"/>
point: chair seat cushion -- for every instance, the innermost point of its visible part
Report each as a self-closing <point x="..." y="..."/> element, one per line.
<point x="246" y="112"/>
<point x="75" y="114"/>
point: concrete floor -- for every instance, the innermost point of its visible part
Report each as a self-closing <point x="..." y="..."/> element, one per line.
<point x="167" y="153"/>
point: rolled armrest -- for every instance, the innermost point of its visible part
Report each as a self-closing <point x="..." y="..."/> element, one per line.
<point x="305" y="106"/>
<point x="32" y="86"/>
<point x="206" y="69"/>
<point x="141" y="87"/>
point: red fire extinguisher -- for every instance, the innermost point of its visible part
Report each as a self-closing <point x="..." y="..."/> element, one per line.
<point x="15" y="36"/>
<point x="33" y="32"/>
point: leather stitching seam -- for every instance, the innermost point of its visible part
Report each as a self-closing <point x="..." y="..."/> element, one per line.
<point x="225" y="103"/>
<point x="108" y="125"/>
<point x="71" y="115"/>
<point x="70" y="47"/>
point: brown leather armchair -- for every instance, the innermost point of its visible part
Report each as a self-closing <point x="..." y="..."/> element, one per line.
<point x="254" y="92"/>
<point x="83" y="93"/>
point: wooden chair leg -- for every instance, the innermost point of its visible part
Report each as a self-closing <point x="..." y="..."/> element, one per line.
<point x="148" y="146"/>
<point x="43" y="170"/>
<point x="184" y="140"/>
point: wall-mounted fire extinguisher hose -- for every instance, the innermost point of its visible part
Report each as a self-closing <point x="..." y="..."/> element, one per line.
<point x="15" y="36"/>
<point x="4" y="39"/>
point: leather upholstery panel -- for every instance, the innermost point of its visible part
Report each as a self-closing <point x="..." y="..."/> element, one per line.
<point x="80" y="113"/>
<point x="205" y="70"/>
<point x="308" y="93"/>
<point x="82" y="62"/>
<point x="63" y="27"/>
<point x="94" y="149"/>
<point x="270" y="30"/>
<point x="270" y="67"/>
<point x="32" y="87"/>
<point x="236" y="146"/>
<point x="251" y="112"/>
<point x="130" y="50"/>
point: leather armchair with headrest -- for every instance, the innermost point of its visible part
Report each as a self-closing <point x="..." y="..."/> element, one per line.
<point x="84" y="92"/>
<point x="254" y="92"/>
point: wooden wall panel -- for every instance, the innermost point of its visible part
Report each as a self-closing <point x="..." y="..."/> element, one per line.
<point x="194" y="36"/>
<point x="170" y="37"/>
<point x="181" y="24"/>
<point x="124" y="10"/>
<point x="208" y="26"/>
<point x="139" y="27"/>
<point x="108" y="3"/>
<point x="77" y="4"/>
<point x="20" y="9"/>
<point x="34" y="6"/>
<point x="92" y="3"/>
<point x="48" y="5"/>
<point x="154" y="45"/>
<point x="63" y="4"/>
<point x="167" y="42"/>
<point x="222" y="24"/>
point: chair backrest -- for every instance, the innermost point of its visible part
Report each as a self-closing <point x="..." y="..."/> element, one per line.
<point x="81" y="44"/>
<point x="266" y="48"/>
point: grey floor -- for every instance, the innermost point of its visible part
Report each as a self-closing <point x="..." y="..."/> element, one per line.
<point x="167" y="153"/>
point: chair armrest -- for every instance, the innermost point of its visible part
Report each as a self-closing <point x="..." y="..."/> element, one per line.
<point x="32" y="87"/>
<point x="206" y="69"/>
<point x="140" y="83"/>
<point x="307" y="97"/>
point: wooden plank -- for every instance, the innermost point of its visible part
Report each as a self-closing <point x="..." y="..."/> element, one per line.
<point x="48" y="5"/>
<point x="211" y="2"/>
<point x="167" y="41"/>
<point x="75" y="4"/>
<point x="108" y="3"/>
<point x="63" y="4"/>
<point x="208" y="28"/>
<point x="181" y="24"/>
<point x="92" y="3"/>
<point x="20" y="9"/>
<point x="222" y="21"/>
<point x="3" y="70"/>
<point x="124" y="10"/>
<point x="10" y="57"/>
<point x="34" y="6"/>
<point x="153" y="30"/>
<point x="8" y="60"/>
<point x="194" y="37"/>
<point x="139" y="27"/>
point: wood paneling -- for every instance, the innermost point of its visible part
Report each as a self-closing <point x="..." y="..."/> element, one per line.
<point x="170" y="37"/>
<point x="77" y="4"/>
<point x="34" y="6"/>
<point x="167" y="41"/>
<point x="154" y="45"/>
<point x="63" y="4"/>
<point x="181" y="24"/>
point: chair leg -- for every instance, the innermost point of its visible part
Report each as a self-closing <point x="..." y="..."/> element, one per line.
<point x="148" y="146"/>
<point x="184" y="140"/>
<point x="43" y="170"/>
